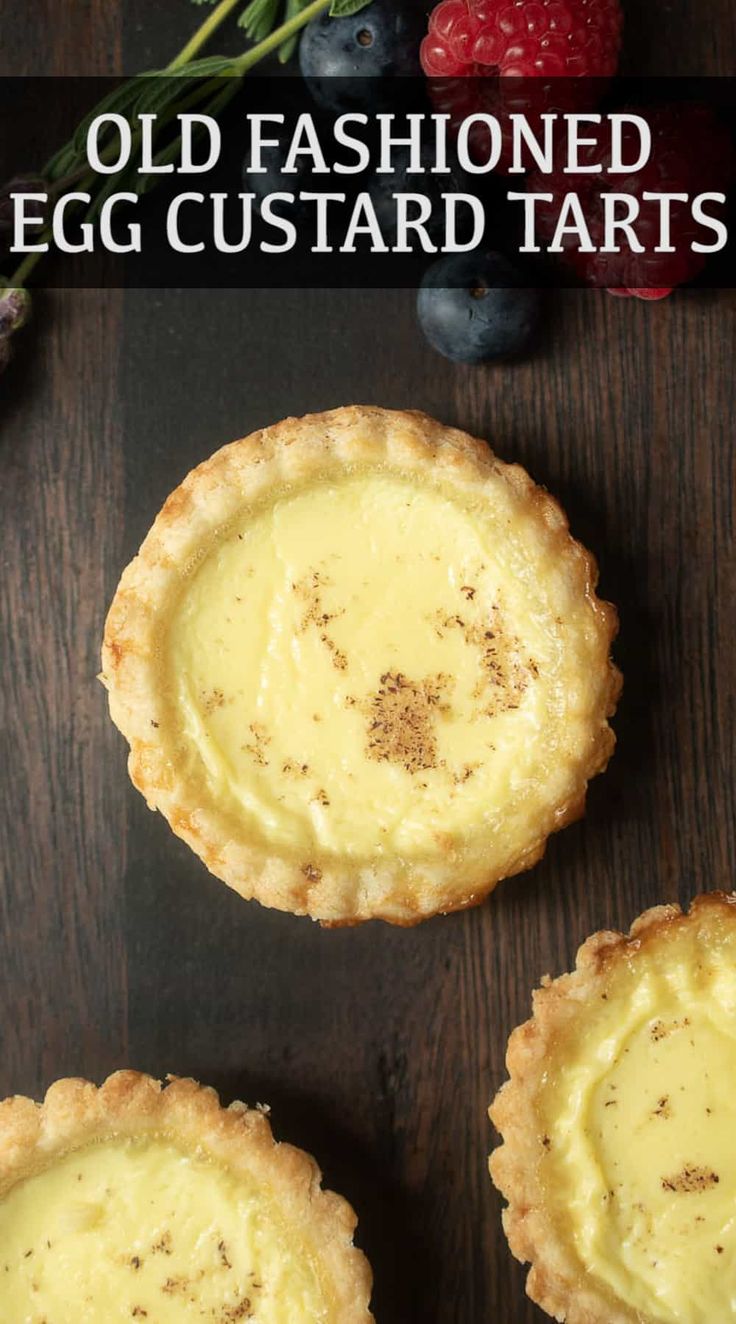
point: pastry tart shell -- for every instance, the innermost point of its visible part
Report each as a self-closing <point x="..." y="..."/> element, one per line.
<point x="556" y="1280"/>
<point x="75" y="1114"/>
<point x="331" y="887"/>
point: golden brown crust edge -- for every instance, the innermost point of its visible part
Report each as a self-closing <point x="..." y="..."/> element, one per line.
<point x="130" y="1103"/>
<point x="554" y="1281"/>
<point x="335" y="893"/>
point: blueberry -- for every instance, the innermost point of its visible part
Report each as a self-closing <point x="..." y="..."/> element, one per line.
<point x="475" y="307"/>
<point x="381" y="41"/>
<point x="383" y="187"/>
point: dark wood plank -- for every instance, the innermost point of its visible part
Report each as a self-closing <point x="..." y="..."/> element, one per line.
<point x="63" y="988"/>
<point x="62" y="828"/>
<point x="377" y="1049"/>
<point x="46" y="38"/>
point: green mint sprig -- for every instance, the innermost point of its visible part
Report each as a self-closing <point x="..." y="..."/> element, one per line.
<point x="208" y="82"/>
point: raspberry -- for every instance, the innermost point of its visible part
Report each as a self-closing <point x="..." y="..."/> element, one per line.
<point x="691" y="153"/>
<point x="563" y="51"/>
<point x="651" y="295"/>
<point x="523" y="38"/>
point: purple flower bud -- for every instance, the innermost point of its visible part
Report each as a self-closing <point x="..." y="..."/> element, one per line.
<point x="15" y="307"/>
<point x="20" y="185"/>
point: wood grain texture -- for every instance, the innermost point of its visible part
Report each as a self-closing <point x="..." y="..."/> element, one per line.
<point x="380" y="1049"/>
<point x="377" y="1049"/>
<point x="62" y="826"/>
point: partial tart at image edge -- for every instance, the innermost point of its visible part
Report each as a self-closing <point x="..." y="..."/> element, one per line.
<point x="78" y="1122"/>
<point x="558" y="1281"/>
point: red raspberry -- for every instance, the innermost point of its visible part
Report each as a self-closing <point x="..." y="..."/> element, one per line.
<point x="642" y="294"/>
<point x="691" y="153"/>
<point x="523" y="38"/>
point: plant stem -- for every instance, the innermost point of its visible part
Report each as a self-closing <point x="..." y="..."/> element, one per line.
<point x="21" y="273"/>
<point x="203" y="33"/>
<point x="279" y="35"/>
<point x="240" y="66"/>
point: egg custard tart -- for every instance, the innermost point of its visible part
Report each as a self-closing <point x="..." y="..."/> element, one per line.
<point x="135" y="1203"/>
<point x="361" y="667"/>
<point x="619" y="1126"/>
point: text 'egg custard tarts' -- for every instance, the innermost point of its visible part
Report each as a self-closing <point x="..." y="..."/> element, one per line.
<point x="135" y="1203"/>
<point x="619" y="1126"/>
<point x="362" y="667"/>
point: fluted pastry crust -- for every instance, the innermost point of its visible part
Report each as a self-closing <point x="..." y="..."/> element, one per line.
<point x="76" y="1113"/>
<point x="451" y="871"/>
<point x="562" y="1008"/>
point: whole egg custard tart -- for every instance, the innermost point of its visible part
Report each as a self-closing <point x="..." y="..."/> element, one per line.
<point x="361" y="667"/>
<point x="137" y="1202"/>
<point x="619" y="1126"/>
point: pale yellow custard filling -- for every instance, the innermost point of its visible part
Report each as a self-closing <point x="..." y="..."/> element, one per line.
<point x="138" y="1230"/>
<point x="639" y="1134"/>
<point x="371" y="661"/>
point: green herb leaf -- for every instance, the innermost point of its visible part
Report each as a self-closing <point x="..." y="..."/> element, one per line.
<point x="167" y="87"/>
<point x="287" y="50"/>
<point x="121" y="182"/>
<point x="259" y="18"/>
<point x="293" y="7"/>
<point x="60" y="165"/>
<point x="120" y="100"/>
<point x="344" y="8"/>
<point x="186" y="82"/>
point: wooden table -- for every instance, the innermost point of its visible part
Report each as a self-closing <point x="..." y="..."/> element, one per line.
<point x="378" y="1049"/>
